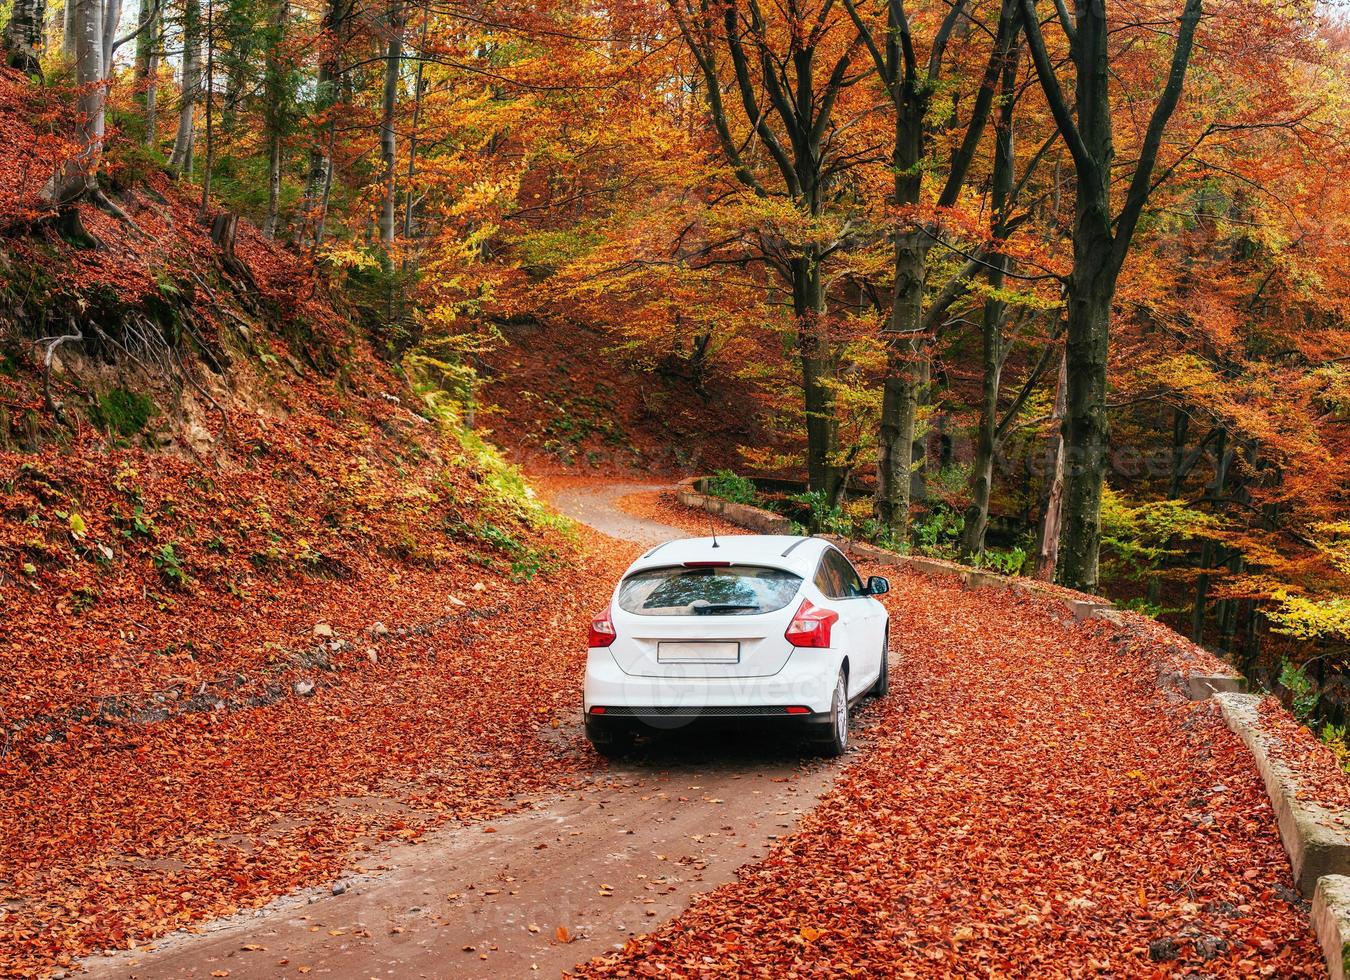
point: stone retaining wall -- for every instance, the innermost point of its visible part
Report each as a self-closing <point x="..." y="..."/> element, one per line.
<point x="1316" y="839"/>
<point x="1331" y="921"/>
<point x="690" y="493"/>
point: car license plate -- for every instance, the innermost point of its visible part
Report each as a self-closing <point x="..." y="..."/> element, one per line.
<point x="698" y="653"/>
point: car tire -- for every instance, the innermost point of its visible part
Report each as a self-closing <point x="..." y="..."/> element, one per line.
<point x="883" y="685"/>
<point x="836" y="740"/>
<point x="612" y="744"/>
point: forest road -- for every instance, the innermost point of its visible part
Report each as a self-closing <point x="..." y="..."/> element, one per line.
<point x="531" y="894"/>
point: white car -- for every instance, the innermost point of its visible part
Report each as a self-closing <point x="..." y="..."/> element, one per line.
<point x="762" y="628"/>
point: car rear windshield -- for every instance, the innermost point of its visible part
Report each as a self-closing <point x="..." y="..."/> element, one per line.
<point x="735" y="590"/>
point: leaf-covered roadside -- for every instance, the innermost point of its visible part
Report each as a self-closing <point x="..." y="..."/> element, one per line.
<point x="1027" y="804"/>
<point x="115" y="834"/>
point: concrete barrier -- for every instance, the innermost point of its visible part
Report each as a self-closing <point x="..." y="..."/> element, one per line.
<point x="1316" y="839"/>
<point x="753" y="518"/>
<point x="1331" y="922"/>
<point x="1198" y="687"/>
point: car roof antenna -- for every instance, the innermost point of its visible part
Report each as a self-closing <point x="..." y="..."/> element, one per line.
<point x="713" y="528"/>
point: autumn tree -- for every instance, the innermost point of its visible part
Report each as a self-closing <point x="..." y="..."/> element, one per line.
<point x="190" y="88"/>
<point x="1101" y="240"/>
<point x="911" y="85"/>
<point x="788" y="76"/>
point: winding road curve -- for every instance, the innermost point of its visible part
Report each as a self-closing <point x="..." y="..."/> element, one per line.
<point x="531" y="894"/>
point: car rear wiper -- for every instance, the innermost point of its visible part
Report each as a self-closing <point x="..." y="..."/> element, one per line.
<point x="712" y="608"/>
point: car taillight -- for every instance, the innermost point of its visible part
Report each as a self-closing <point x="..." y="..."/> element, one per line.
<point x="602" y="630"/>
<point x="810" y="627"/>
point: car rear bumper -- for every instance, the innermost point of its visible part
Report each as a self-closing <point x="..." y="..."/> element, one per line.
<point x="657" y="718"/>
<point x="805" y="684"/>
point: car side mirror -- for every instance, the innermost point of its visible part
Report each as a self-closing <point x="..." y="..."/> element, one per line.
<point x="876" y="585"/>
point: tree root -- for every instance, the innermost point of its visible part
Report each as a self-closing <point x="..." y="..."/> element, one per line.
<point x="53" y="343"/>
<point x="108" y="206"/>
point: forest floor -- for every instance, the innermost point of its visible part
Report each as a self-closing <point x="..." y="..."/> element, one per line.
<point x="1026" y="803"/>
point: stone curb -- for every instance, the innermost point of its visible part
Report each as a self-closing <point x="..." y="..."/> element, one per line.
<point x="754" y="518"/>
<point x="1316" y="839"/>
<point x="1331" y="922"/>
<point x="1198" y="687"/>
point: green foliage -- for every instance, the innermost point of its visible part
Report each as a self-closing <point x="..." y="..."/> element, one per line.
<point x="136" y="525"/>
<point x="544" y="252"/>
<point x="938" y="532"/>
<point x="1310" y="619"/>
<point x="569" y="421"/>
<point x="1140" y="604"/>
<point x="242" y="184"/>
<point x="729" y="486"/>
<point x="130" y="162"/>
<point x="1006" y="562"/>
<point x="1138" y="537"/>
<point x="526" y="562"/>
<point x="120" y="411"/>
<point x="871" y="530"/>
<point x="949" y="483"/>
<point x="823" y="517"/>
<point x="1302" y="690"/>
<point x="1333" y="737"/>
<point x="170" y="566"/>
<point x="507" y="496"/>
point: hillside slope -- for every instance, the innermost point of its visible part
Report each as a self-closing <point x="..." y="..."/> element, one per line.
<point x="561" y="398"/>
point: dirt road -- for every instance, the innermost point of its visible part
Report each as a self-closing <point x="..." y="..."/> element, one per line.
<point x="571" y="876"/>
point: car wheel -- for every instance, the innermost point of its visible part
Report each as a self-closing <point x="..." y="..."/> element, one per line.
<point x="612" y="744"/>
<point x="836" y="741"/>
<point x="883" y="685"/>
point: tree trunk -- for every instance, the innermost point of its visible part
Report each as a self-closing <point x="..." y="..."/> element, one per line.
<point x="1201" y="594"/>
<point x="112" y="18"/>
<point x="1085" y="425"/>
<point x="275" y="93"/>
<point x="269" y="226"/>
<point x="314" y="204"/>
<point x="1208" y="556"/>
<point x="180" y="160"/>
<point x="147" y="67"/>
<point x="982" y="471"/>
<point x="68" y="33"/>
<point x="1228" y="609"/>
<point x="77" y="176"/>
<point x="388" y="137"/>
<point x="240" y="41"/>
<point x="822" y="425"/>
<point x="1047" y="549"/>
<point x="1100" y="241"/>
<point x="208" y="170"/>
<point x="920" y="436"/>
<point x="905" y="344"/>
<point x="22" y="39"/>
<point x="419" y="93"/>
<point x="991" y="357"/>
